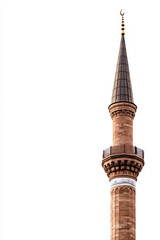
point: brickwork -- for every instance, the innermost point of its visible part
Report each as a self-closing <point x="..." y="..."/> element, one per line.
<point x="122" y="130"/>
<point x="123" y="217"/>
<point x="123" y="160"/>
<point x="122" y="115"/>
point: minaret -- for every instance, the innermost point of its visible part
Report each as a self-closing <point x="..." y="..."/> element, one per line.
<point x="123" y="162"/>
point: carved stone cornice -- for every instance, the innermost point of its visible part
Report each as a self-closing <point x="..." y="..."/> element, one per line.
<point x="123" y="113"/>
<point x="122" y="109"/>
<point x="123" y="165"/>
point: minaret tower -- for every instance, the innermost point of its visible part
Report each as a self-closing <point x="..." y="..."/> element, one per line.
<point x="123" y="162"/>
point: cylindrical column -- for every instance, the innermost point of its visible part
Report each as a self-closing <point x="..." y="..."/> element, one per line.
<point x="123" y="209"/>
<point x="122" y="115"/>
<point x="122" y="130"/>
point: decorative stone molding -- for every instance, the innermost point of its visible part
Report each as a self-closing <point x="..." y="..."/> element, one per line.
<point x="123" y="113"/>
<point x="123" y="165"/>
<point x="123" y="181"/>
<point x="122" y="187"/>
<point x="122" y="109"/>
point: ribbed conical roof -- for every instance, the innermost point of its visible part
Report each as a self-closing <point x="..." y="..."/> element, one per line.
<point x="122" y="90"/>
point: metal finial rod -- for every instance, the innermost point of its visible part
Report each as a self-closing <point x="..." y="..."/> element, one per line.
<point x="122" y="14"/>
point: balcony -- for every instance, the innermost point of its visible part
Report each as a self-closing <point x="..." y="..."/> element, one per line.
<point x="129" y="149"/>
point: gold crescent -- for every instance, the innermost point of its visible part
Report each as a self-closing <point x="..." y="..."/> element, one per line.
<point x="122" y="12"/>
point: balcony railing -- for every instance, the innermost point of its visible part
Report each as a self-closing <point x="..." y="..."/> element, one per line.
<point x="123" y="149"/>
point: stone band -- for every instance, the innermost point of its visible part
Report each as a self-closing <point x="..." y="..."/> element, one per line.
<point x="123" y="181"/>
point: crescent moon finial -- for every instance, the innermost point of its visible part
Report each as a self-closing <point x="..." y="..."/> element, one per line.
<point x="122" y="14"/>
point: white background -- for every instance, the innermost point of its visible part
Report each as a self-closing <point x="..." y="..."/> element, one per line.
<point x="57" y="65"/>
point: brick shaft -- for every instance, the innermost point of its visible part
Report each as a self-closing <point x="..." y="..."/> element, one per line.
<point x="122" y="130"/>
<point x="123" y="219"/>
<point x="122" y="120"/>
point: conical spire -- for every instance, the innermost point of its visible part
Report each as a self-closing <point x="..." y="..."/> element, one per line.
<point x="122" y="90"/>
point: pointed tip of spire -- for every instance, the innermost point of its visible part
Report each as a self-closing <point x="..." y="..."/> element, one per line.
<point x="122" y="25"/>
